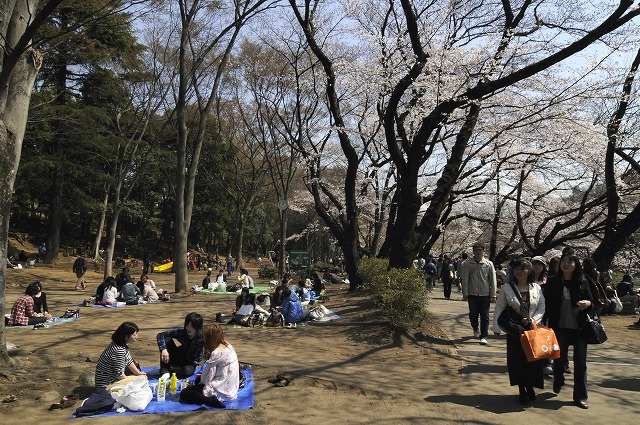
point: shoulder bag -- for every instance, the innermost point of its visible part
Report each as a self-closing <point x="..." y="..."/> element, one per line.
<point x="592" y="331"/>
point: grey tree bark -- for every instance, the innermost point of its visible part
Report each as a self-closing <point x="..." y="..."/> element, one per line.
<point x="20" y="63"/>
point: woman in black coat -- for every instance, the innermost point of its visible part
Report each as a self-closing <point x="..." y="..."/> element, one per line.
<point x="568" y="301"/>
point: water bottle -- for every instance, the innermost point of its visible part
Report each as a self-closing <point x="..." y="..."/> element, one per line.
<point x="173" y="383"/>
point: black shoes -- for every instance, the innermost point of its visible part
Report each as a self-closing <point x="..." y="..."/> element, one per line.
<point x="526" y="395"/>
<point x="581" y="404"/>
<point x="557" y="387"/>
<point x="531" y="394"/>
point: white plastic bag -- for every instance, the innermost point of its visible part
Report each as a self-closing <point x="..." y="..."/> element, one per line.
<point x="617" y="302"/>
<point x="133" y="393"/>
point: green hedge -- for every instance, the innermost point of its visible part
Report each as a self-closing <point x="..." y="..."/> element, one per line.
<point x="401" y="294"/>
<point x="267" y="271"/>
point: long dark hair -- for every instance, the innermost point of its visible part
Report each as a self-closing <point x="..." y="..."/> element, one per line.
<point x="33" y="288"/>
<point x="109" y="282"/>
<point x="123" y="332"/>
<point x="578" y="273"/>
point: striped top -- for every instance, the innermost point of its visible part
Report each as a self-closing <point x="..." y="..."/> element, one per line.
<point x="113" y="360"/>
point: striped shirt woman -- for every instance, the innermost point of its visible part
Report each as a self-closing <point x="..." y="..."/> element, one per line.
<point x="116" y="358"/>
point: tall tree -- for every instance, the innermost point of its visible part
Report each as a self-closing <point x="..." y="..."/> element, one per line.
<point x="430" y="86"/>
<point x="207" y="32"/>
<point x="81" y="36"/>
<point x="19" y="65"/>
<point x="618" y="226"/>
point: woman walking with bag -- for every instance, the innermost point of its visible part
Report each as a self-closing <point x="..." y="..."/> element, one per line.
<point x="524" y="297"/>
<point x="568" y="300"/>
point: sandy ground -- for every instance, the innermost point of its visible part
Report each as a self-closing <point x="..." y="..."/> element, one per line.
<point x="348" y="371"/>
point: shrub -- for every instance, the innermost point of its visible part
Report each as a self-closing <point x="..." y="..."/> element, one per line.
<point x="267" y="271"/>
<point x="401" y="294"/>
<point x="321" y="267"/>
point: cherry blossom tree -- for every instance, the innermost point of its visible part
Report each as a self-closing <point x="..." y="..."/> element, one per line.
<point x="622" y="218"/>
<point x="439" y="63"/>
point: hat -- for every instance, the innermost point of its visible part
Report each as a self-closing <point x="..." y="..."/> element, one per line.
<point x="540" y="259"/>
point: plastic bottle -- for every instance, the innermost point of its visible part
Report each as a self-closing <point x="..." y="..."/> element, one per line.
<point x="173" y="383"/>
<point x="162" y="387"/>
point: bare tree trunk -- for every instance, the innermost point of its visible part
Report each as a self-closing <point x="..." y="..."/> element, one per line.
<point x="103" y="216"/>
<point x="617" y="231"/>
<point x="15" y="92"/>
<point x="284" y="218"/>
<point x="240" y="239"/>
<point x="55" y="218"/>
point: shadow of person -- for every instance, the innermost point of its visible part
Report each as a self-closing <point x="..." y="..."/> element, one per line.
<point x="625" y="384"/>
<point x="498" y="403"/>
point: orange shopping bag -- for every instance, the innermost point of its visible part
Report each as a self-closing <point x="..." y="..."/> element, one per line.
<point x="539" y="343"/>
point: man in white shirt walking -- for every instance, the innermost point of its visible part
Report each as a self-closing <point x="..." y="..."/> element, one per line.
<point x="478" y="279"/>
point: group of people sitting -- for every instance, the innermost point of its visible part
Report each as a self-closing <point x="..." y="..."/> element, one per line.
<point x="122" y="289"/>
<point x="181" y="349"/>
<point x="218" y="284"/>
<point x="289" y="302"/>
<point x="30" y="308"/>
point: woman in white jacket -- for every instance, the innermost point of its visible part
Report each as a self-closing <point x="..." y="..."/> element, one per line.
<point x="525" y="298"/>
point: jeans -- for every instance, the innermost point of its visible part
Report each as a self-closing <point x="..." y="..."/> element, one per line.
<point x="479" y="306"/>
<point x="567" y="337"/>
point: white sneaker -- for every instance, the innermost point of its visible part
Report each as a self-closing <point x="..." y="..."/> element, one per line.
<point x="476" y="334"/>
<point x="483" y="341"/>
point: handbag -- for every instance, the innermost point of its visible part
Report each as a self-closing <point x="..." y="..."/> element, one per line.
<point x="71" y="314"/>
<point x="510" y="322"/>
<point x="539" y="343"/>
<point x="592" y="331"/>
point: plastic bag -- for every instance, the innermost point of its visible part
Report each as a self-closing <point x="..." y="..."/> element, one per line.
<point x="133" y="393"/>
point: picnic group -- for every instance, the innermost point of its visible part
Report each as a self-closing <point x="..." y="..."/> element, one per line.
<point x="184" y="348"/>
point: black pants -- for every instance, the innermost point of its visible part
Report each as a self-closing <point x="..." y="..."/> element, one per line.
<point x="194" y="395"/>
<point x="567" y="337"/>
<point x="36" y="320"/>
<point x="178" y="361"/>
<point x="479" y="306"/>
<point x="446" y="283"/>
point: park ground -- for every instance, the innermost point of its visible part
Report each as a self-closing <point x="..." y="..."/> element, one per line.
<point x="348" y="371"/>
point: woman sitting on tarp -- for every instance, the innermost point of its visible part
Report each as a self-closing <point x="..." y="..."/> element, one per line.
<point x="40" y="301"/>
<point x="245" y="307"/>
<point x="291" y="307"/>
<point x="220" y="379"/>
<point x="23" y="312"/>
<point x="276" y="297"/>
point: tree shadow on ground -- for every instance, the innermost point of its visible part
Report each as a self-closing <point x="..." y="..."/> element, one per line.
<point x="625" y="384"/>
